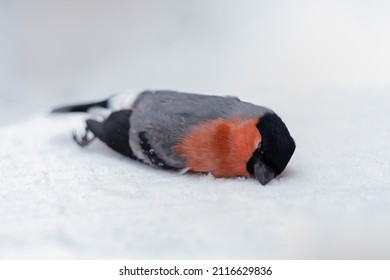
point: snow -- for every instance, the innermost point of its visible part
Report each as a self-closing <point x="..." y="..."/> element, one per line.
<point x="333" y="201"/>
<point x="323" y="66"/>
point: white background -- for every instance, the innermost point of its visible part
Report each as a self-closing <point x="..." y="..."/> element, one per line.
<point x="110" y="269"/>
<point x="53" y="52"/>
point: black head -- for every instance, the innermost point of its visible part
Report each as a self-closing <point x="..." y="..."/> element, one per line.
<point x="274" y="151"/>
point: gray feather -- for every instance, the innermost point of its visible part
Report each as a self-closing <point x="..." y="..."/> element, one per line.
<point x="166" y="116"/>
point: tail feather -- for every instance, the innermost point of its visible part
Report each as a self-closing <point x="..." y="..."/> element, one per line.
<point x="81" y="107"/>
<point x="120" y="101"/>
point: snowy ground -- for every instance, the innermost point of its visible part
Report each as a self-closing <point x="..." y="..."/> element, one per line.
<point x="323" y="66"/>
<point x="333" y="200"/>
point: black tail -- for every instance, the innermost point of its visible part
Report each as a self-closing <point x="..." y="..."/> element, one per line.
<point x="81" y="107"/>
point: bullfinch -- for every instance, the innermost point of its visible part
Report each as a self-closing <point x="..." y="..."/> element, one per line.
<point x="190" y="132"/>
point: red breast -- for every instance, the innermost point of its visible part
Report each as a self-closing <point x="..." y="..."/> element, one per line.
<point x="222" y="147"/>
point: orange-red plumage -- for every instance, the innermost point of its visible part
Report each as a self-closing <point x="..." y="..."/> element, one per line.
<point x="222" y="147"/>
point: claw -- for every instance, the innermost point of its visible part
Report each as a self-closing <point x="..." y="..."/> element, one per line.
<point x="85" y="140"/>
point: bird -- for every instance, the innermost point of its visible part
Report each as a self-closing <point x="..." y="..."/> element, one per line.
<point x="190" y="132"/>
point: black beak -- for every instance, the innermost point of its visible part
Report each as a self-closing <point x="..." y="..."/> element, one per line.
<point x="263" y="173"/>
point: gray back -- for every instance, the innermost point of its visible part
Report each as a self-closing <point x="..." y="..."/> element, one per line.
<point x="166" y="116"/>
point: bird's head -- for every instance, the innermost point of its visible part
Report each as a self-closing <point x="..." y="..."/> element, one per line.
<point x="274" y="151"/>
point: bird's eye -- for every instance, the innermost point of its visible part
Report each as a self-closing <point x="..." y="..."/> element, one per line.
<point x="257" y="158"/>
<point x="260" y="149"/>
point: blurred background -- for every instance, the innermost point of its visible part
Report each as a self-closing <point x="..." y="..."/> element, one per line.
<point x="54" y="52"/>
<point x="324" y="66"/>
